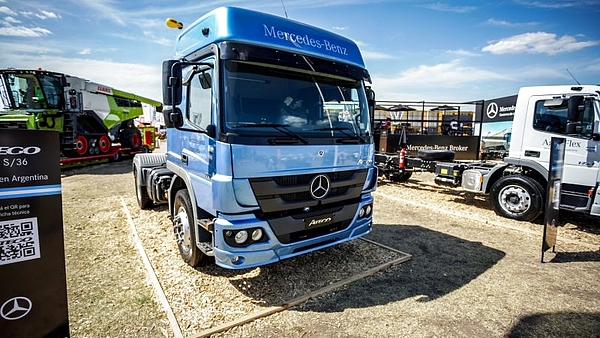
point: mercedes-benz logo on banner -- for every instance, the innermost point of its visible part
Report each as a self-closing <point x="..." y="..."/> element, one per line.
<point x="319" y="186"/>
<point x="15" y="308"/>
<point x="492" y="110"/>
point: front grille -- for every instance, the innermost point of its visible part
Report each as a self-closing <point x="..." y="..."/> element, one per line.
<point x="282" y="193"/>
<point x="287" y="205"/>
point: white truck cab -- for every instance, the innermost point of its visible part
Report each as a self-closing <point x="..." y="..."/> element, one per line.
<point x="543" y="112"/>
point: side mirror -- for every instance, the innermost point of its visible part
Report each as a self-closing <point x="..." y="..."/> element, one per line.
<point x="205" y="80"/>
<point x="173" y="118"/>
<point x="370" y="96"/>
<point x="171" y="82"/>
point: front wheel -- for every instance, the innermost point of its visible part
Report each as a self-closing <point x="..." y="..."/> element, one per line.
<point x="517" y="197"/>
<point x="141" y="193"/>
<point x="184" y="228"/>
<point x="401" y="178"/>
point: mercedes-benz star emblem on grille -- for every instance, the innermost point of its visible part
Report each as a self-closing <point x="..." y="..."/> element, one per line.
<point x="319" y="187"/>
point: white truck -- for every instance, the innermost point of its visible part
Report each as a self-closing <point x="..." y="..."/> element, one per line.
<point x="517" y="185"/>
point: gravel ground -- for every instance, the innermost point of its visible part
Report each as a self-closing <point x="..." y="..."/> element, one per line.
<point x="472" y="273"/>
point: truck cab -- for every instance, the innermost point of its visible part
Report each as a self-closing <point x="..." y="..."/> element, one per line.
<point x="569" y="112"/>
<point x="270" y="151"/>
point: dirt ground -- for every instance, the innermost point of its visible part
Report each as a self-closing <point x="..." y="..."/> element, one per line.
<point x="472" y="273"/>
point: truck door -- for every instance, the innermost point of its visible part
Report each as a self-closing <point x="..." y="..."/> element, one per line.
<point x="582" y="153"/>
<point x="197" y="155"/>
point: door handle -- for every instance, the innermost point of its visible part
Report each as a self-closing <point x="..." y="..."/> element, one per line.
<point x="531" y="153"/>
<point x="184" y="159"/>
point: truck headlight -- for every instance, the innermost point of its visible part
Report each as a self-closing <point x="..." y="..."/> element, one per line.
<point x="241" y="236"/>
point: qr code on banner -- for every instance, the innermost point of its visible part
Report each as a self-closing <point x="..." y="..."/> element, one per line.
<point x="19" y="240"/>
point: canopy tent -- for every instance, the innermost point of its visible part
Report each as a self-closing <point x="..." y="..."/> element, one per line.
<point x="444" y="108"/>
<point x="380" y="107"/>
<point x="401" y="107"/>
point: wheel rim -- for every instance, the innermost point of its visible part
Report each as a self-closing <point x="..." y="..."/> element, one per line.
<point x="81" y="145"/>
<point x="104" y="144"/>
<point x="182" y="231"/>
<point x="515" y="199"/>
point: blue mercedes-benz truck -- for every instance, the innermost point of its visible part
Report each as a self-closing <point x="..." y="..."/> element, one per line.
<point x="270" y="149"/>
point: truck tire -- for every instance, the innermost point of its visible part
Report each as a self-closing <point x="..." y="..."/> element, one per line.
<point x="517" y="197"/>
<point x="141" y="193"/>
<point x="131" y="138"/>
<point x="184" y="228"/>
<point x="401" y="178"/>
<point x="436" y="155"/>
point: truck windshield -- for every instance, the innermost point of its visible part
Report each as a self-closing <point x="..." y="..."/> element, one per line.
<point x="308" y="106"/>
<point x="30" y="91"/>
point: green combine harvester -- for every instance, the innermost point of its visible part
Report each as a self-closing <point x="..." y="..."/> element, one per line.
<point x="90" y="117"/>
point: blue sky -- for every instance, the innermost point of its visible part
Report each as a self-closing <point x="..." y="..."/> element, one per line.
<point x="450" y="51"/>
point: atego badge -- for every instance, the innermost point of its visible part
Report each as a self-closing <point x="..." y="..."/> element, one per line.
<point x="319" y="221"/>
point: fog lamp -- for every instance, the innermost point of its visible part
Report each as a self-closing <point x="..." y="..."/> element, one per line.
<point x="369" y="209"/>
<point x="361" y="212"/>
<point x="241" y="236"/>
<point x="257" y="234"/>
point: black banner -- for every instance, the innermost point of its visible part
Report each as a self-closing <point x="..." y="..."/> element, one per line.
<point x="500" y="109"/>
<point x="464" y="147"/>
<point x="555" y="171"/>
<point x="33" y="292"/>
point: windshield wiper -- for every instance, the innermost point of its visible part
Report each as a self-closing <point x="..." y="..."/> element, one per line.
<point x="344" y="130"/>
<point x="277" y="126"/>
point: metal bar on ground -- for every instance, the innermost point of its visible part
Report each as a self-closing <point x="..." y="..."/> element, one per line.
<point x="274" y="309"/>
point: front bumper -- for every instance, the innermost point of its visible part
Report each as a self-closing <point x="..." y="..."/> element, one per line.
<point x="272" y="250"/>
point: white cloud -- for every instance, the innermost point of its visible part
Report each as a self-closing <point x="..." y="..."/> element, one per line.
<point x="429" y="82"/>
<point x="85" y="51"/>
<point x="7" y="11"/>
<point x="537" y="43"/>
<point x="9" y="51"/>
<point x="22" y="31"/>
<point x="461" y="52"/>
<point x="9" y="20"/>
<point x="553" y="4"/>
<point x="368" y="55"/>
<point x="104" y="10"/>
<point x="445" y="7"/>
<point x="47" y="15"/>
<point x="594" y="66"/>
<point x="504" y="23"/>
<point x="140" y="79"/>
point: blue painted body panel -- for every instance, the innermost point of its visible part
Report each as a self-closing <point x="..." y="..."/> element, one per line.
<point x="242" y="25"/>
